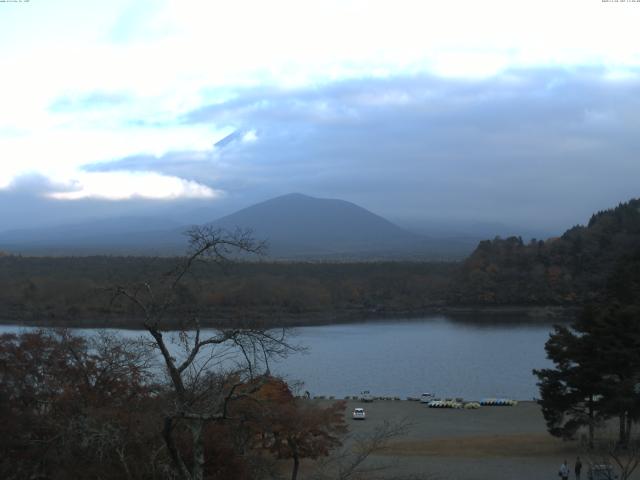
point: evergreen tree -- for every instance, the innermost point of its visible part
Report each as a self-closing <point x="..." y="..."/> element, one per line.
<point x="572" y="392"/>
<point x="597" y="368"/>
<point x="617" y="330"/>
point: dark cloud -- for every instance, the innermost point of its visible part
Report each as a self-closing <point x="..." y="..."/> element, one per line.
<point x="178" y="163"/>
<point x="230" y="139"/>
<point x="28" y="208"/>
<point x="25" y="204"/>
<point x="36" y="184"/>
<point x="541" y="147"/>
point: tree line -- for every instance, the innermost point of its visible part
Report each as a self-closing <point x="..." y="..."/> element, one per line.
<point x="570" y="270"/>
<point x="73" y="291"/>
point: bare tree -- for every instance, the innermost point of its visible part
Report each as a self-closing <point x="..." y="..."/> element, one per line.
<point x="351" y="462"/>
<point x="610" y="455"/>
<point x="203" y="387"/>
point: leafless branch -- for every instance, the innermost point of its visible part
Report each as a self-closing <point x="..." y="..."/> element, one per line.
<point x="351" y="461"/>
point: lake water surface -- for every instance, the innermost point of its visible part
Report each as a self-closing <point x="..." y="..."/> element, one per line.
<point x="407" y="357"/>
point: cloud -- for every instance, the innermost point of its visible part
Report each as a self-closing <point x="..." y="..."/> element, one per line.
<point x="115" y="185"/>
<point x="34" y="184"/>
<point x="454" y="109"/>
<point x="250" y="136"/>
<point x="89" y="101"/>
<point x="526" y="146"/>
<point x="229" y="139"/>
<point x="169" y="162"/>
<point x="136" y="22"/>
<point x="127" y="185"/>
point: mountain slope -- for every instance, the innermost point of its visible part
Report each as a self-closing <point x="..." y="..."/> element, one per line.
<point x="299" y="225"/>
<point x="295" y="226"/>
<point x="121" y="235"/>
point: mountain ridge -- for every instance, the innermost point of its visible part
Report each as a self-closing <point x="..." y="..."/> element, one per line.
<point x="296" y="226"/>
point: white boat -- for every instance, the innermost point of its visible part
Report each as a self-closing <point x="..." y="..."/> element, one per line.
<point x="366" y="396"/>
<point x="426" y="397"/>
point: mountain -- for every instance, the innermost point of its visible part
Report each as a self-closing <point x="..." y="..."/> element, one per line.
<point x="118" y="235"/>
<point x="297" y="225"/>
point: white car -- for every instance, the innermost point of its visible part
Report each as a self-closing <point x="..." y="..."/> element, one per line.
<point x="359" y="414"/>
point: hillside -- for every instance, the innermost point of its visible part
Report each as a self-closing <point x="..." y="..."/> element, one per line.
<point x="297" y="225"/>
<point x="575" y="268"/>
<point x="119" y="235"/>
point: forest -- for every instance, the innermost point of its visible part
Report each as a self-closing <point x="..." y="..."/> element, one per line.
<point x="76" y="291"/>
<point x="573" y="269"/>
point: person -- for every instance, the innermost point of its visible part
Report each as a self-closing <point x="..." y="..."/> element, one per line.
<point x="564" y="471"/>
<point x="578" y="468"/>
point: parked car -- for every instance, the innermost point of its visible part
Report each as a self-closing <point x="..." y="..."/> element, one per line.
<point x="359" y="413"/>
<point x="601" y="471"/>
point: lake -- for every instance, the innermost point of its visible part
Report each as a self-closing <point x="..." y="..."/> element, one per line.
<point x="450" y="358"/>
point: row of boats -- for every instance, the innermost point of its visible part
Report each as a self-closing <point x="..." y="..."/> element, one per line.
<point x="432" y="402"/>
<point x="460" y="403"/>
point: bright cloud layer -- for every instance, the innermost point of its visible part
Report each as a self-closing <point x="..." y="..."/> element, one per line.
<point x="127" y="185"/>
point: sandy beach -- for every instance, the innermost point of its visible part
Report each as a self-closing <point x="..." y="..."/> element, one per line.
<point x="488" y="443"/>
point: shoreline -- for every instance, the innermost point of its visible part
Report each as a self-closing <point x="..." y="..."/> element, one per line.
<point x="491" y="442"/>
<point x="516" y="314"/>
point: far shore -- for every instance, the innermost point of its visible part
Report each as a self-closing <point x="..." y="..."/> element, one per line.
<point x="274" y="319"/>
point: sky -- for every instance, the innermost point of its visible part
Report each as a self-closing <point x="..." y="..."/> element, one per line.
<point x="518" y="112"/>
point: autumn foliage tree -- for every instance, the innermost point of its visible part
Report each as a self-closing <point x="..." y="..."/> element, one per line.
<point x="573" y="269"/>
<point x="93" y="407"/>
<point x="74" y="407"/>
<point x="293" y="428"/>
